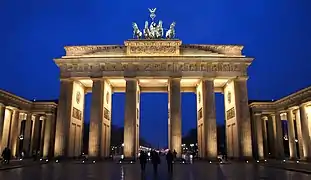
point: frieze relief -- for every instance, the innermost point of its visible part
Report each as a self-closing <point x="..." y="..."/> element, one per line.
<point x="168" y="66"/>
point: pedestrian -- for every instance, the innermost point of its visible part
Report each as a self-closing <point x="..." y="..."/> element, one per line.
<point x="143" y="161"/>
<point x="169" y="161"/>
<point x="155" y="159"/>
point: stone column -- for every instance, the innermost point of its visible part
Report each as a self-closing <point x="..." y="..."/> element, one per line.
<point x="35" y="144"/>
<point x="259" y="136"/>
<point x="305" y="133"/>
<point x="209" y="119"/>
<point x="47" y="135"/>
<point x="130" y="118"/>
<point x="14" y="133"/>
<point x="272" y="134"/>
<point x="63" y="118"/>
<point x="27" y="135"/>
<point x="97" y="106"/>
<point x="299" y="133"/>
<point x="291" y="135"/>
<point x="175" y="115"/>
<point x="265" y="136"/>
<point x="279" y="137"/>
<point x="243" y="118"/>
<point x="2" y="112"/>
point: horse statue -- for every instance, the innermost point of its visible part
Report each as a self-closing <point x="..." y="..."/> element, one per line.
<point x="159" y="30"/>
<point x="153" y="30"/>
<point x="170" y="34"/>
<point x="136" y="32"/>
<point x="147" y="33"/>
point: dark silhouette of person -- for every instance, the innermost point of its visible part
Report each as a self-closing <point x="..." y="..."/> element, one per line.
<point x="6" y="154"/>
<point x="175" y="154"/>
<point x="143" y="160"/>
<point x="155" y="159"/>
<point x="169" y="161"/>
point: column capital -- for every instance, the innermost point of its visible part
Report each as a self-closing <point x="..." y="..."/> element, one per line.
<point x="97" y="79"/>
<point x="292" y="108"/>
<point x="208" y="78"/>
<point x="2" y="105"/>
<point x="130" y="78"/>
<point x="241" y="78"/>
<point x="49" y="114"/>
<point x="257" y="114"/>
<point x="11" y="108"/>
<point x="304" y="104"/>
<point x="175" y="78"/>
<point x="66" y="79"/>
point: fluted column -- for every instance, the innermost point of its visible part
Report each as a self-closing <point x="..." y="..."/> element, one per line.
<point x="35" y="144"/>
<point x="175" y="115"/>
<point x="305" y="133"/>
<point x="265" y="136"/>
<point x="272" y="134"/>
<point x="47" y="135"/>
<point x="130" y="118"/>
<point x="209" y="118"/>
<point x="2" y="112"/>
<point x="96" y="117"/>
<point x="63" y="118"/>
<point x="27" y="135"/>
<point x="291" y="135"/>
<point x="14" y="132"/>
<point x="299" y="133"/>
<point x="259" y="135"/>
<point x="279" y="137"/>
<point x="243" y="118"/>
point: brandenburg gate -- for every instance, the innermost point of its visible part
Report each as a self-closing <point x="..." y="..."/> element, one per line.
<point x="150" y="63"/>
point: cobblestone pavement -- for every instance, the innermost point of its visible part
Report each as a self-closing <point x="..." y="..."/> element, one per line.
<point x="113" y="171"/>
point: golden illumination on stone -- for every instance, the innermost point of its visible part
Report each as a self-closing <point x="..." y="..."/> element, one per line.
<point x="164" y="47"/>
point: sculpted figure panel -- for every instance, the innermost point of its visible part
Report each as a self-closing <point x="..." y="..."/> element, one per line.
<point x="156" y="66"/>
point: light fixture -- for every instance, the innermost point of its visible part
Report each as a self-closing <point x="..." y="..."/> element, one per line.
<point x="93" y="162"/>
<point x="257" y="161"/>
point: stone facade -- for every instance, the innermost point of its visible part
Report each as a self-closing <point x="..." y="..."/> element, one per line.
<point x="267" y="118"/>
<point x="154" y="66"/>
<point x="27" y="125"/>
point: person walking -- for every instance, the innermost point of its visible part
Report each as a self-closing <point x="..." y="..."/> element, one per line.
<point x="169" y="161"/>
<point x="155" y="159"/>
<point x="143" y="161"/>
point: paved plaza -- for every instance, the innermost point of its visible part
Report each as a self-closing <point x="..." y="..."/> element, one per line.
<point x="113" y="171"/>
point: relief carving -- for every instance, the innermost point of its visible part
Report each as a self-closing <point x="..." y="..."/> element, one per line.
<point x="230" y="113"/>
<point x="156" y="66"/>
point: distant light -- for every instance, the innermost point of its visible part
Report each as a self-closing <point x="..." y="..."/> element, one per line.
<point x="21" y="159"/>
<point x="297" y="162"/>
<point x="210" y="162"/>
<point x="283" y="160"/>
<point x="131" y="162"/>
<point x="246" y="161"/>
<point x="258" y="161"/>
<point x="122" y="156"/>
<point x="122" y="144"/>
<point x="82" y="161"/>
<point x="220" y="162"/>
<point x="120" y="162"/>
<point x="183" y="162"/>
<point x="296" y="140"/>
<point x="41" y="159"/>
<point x="47" y="160"/>
<point x="94" y="162"/>
<point x="265" y="160"/>
<point x="34" y="99"/>
<point x="56" y="161"/>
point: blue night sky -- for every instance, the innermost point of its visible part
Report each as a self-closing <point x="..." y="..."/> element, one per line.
<point x="277" y="33"/>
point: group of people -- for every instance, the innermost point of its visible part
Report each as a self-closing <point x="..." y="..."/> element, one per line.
<point x="6" y="155"/>
<point x="156" y="160"/>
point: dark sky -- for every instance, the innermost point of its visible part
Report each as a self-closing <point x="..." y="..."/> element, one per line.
<point x="277" y="33"/>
